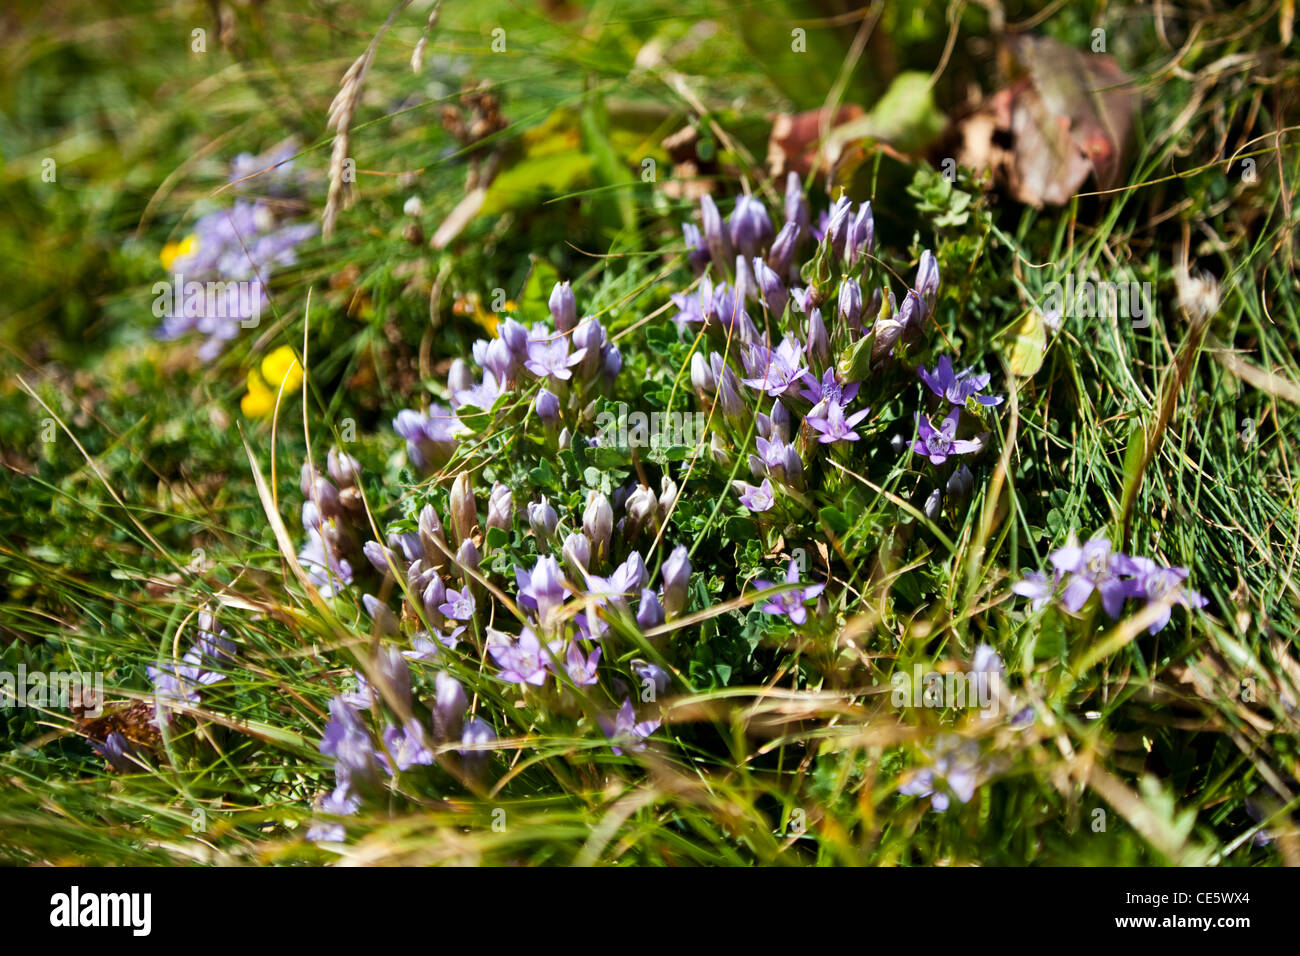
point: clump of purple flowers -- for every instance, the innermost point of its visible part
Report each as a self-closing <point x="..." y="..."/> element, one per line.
<point x="179" y="684"/>
<point x="953" y="770"/>
<point x="233" y="251"/>
<point x="364" y="763"/>
<point x="1079" y="570"/>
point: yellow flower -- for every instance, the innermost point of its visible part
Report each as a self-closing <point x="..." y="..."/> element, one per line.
<point x="260" y="400"/>
<point x="178" y="250"/>
<point x="279" y="368"/>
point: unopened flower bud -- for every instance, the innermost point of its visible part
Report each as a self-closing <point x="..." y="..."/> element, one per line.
<point x="547" y="406"/>
<point x="720" y="452"/>
<point x="641" y="504"/>
<point x="773" y="290"/>
<point x="862" y="235"/>
<point x="577" y="555"/>
<point x="326" y="498"/>
<point x="796" y="203"/>
<point x="468" y="559"/>
<point x="933" y="504"/>
<point x="501" y="507"/>
<point x="459" y="377"/>
<point x="780" y="422"/>
<point x="781" y="257"/>
<point x="960" y="482"/>
<point x="564" y="307"/>
<point x="667" y="496"/>
<point x="463" y="508"/>
<point x="450" y="704"/>
<point x="598" y="524"/>
<point x="819" y="340"/>
<point x="344" y="470"/>
<point x="850" y="303"/>
<point x="716" y="238"/>
<point x="676" y="579"/>
<point x="476" y="737"/>
<point x="542" y="519"/>
<point x="751" y="228"/>
<point x="702" y="376"/>
<point x="431" y="536"/>
<point x="650" y="613"/>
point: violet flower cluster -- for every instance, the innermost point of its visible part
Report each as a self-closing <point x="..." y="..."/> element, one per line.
<point x="365" y="762"/>
<point x="563" y="366"/>
<point x="334" y="517"/>
<point x="180" y="684"/>
<point x="1080" y="570"/>
<point x="231" y="254"/>
<point x="789" y="336"/>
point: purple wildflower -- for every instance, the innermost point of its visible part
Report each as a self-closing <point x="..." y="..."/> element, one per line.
<point x="522" y="661"/>
<point x="625" y="730"/>
<point x="1158" y="585"/>
<point x="758" y="498"/>
<point x="580" y="668"/>
<point x="791" y="603"/>
<point x="834" y="426"/>
<point x="957" y="387"/>
<point x="954" y="771"/>
<point x="938" y="443"/>
<point x="541" y="590"/>
<point x="551" y="357"/>
<point x="1090" y="566"/>
<point x="774" y="370"/>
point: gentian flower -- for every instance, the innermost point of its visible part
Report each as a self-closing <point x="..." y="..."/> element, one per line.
<point x="522" y="661"/>
<point x="834" y="427"/>
<point x="649" y="613"/>
<point x="477" y="738"/>
<point x="459" y="604"/>
<point x="760" y="498"/>
<point x="791" y="603"/>
<point x="696" y="253"/>
<point x="954" y="771"/>
<point x="957" y="388"/>
<point x="409" y="745"/>
<point x="652" y="676"/>
<point x="181" y="683"/>
<point x="771" y="288"/>
<point x="1036" y="587"/>
<point x="625" y="730"/>
<point x="676" y="574"/>
<point x="827" y="389"/>
<point x="117" y="750"/>
<point x="1090" y="566"/>
<point x="774" y="370"/>
<point x="1158" y="585"/>
<point x="938" y="443"/>
<point x="564" y="307"/>
<point x="751" y="229"/>
<point x="551" y="358"/>
<point x="579" y="668"/>
<point x="482" y="395"/>
<point x="430" y="436"/>
<point x="541" y="591"/>
<point x="781" y="256"/>
<point x="450" y="704"/>
<point x="547" y="406"/>
<point x="796" y="203"/>
<point x="850" y="303"/>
